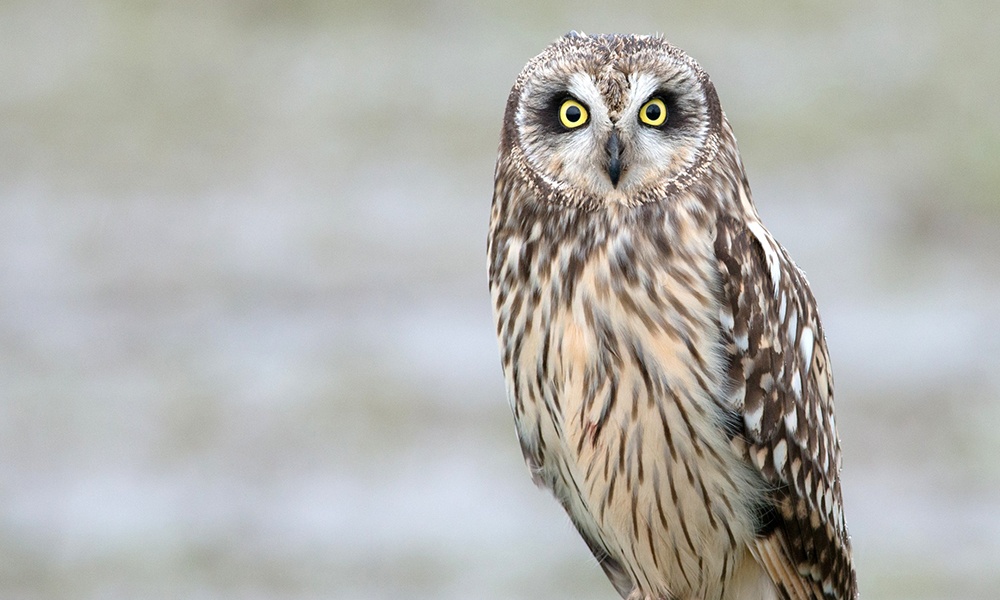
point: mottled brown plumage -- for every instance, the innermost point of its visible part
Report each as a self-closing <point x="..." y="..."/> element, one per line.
<point x="663" y="355"/>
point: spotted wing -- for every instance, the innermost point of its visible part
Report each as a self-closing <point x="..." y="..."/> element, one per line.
<point x="783" y="388"/>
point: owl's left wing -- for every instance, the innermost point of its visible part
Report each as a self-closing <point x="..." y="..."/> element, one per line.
<point x="779" y="367"/>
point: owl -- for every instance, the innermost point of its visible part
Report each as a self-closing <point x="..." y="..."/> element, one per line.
<point x="663" y="355"/>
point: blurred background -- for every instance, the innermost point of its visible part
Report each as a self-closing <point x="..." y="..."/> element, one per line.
<point x="246" y="347"/>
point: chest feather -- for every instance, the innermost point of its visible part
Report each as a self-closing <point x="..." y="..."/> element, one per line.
<point x="615" y="378"/>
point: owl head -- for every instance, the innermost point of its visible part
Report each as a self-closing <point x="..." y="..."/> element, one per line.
<point x="612" y="120"/>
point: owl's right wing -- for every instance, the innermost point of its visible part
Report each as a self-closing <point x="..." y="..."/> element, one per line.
<point x="782" y="387"/>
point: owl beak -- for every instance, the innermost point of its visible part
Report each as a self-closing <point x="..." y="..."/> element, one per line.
<point x="614" y="157"/>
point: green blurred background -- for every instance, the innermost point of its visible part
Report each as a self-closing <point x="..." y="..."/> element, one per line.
<point x="246" y="348"/>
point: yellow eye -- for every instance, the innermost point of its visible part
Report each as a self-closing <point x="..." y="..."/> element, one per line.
<point x="653" y="112"/>
<point x="572" y="114"/>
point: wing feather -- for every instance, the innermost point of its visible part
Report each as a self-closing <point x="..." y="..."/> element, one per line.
<point x="782" y="386"/>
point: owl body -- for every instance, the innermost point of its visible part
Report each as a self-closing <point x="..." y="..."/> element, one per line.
<point x="662" y="354"/>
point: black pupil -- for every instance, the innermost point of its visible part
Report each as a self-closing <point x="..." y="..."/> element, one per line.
<point x="573" y="114"/>
<point x="652" y="112"/>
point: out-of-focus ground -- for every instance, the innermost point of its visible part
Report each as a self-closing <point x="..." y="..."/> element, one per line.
<point x="246" y="348"/>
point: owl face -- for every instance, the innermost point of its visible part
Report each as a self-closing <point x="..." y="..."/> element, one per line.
<point x="611" y="118"/>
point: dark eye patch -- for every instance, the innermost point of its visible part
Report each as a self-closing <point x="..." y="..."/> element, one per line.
<point x="680" y="114"/>
<point x="675" y="115"/>
<point x="546" y="114"/>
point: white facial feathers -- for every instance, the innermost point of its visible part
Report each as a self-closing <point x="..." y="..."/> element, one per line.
<point x="576" y="159"/>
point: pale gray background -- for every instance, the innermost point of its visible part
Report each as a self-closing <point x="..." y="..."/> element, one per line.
<point x="246" y="348"/>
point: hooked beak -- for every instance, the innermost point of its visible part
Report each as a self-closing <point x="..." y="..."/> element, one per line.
<point x="614" y="148"/>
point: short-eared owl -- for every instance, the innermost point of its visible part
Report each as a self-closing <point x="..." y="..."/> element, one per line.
<point x="663" y="355"/>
